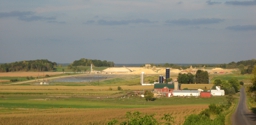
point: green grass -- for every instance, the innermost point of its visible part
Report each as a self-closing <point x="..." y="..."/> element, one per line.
<point x="44" y="101"/>
<point x="10" y="78"/>
<point x="244" y="78"/>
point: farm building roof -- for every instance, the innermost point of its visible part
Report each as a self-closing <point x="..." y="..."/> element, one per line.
<point x="159" y="86"/>
<point x="185" y="91"/>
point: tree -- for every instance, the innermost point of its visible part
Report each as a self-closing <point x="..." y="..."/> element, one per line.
<point x="149" y="96"/>
<point x="201" y="77"/>
<point x="186" y="78"/>
<point x="235" y="84"/>
<point x="230" y="87"/>
<point x="217" y="82"/>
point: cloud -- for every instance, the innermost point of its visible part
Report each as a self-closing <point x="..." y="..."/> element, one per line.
<point x="58" y="22"/>
<point x="242" y="27"/>
<point x="15" y="14"/>
<point x="27" y="16"/>
<point x="242" y="3"/>
<point x="209" y="2"/>
<point x="35" y="18"/>
<point x="89" y="22"/>
<point x="195" y="21"/>
<point x="121" y="22"/>
<point x="180" y="2"/>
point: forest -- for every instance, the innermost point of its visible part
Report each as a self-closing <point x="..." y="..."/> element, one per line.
<point x="88" y="62"/>
<point x="30" y="65"/>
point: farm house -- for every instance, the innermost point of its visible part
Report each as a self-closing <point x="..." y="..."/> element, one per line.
<point x="163" y="88"/>
<point x="185" y="93"/>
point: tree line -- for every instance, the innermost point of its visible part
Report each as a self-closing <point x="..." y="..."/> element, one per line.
<point x="30" y="65"/>
<point x="201" y="77"/>
<point x="245" y="66"/>
<point x="95" y="62"/>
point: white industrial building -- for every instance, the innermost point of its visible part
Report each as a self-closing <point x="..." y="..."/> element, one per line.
<point x="186" y="93"/>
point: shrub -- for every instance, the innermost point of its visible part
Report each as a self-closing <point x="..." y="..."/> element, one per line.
<point x="112" y="122"/>
<point x="119" y="88"/>
<point x="215" y="109"/>
<point x="241" y="83"/>
<point x="168" y="118"/>
<point x="149" y="96"/>
<point x="136" y="118"/>
<point x="14" y="80"/>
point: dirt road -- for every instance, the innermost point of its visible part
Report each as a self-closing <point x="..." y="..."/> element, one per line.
<point x="243" y="116"/>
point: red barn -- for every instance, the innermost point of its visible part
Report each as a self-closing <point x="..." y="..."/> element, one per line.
<point x="163" y="88"/>
<point x="205" y="94"/>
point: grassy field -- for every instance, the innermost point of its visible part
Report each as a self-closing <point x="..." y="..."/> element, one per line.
<point x="245" y="78"/>
<point x="95" y="102"/>
<point x="6" y="77"/>
<point x="88" y="104"/>
<point x="95" y="116"/>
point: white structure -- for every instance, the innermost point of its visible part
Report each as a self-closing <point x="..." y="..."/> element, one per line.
<point x="91" y="68"/>
<point x="217" y="92"/>
<point x="142" y="78"/>
<point x="142" y="81"/>
<point x="176" y="85"/>
<point x="44" y="83"/>
<point x="186" y="93"/>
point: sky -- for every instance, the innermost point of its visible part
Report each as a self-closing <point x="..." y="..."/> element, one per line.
<point x="128" y="31"/>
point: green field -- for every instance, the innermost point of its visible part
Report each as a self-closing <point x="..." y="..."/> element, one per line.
<point x="76" y="103"/>
<point x="244" y="78"/>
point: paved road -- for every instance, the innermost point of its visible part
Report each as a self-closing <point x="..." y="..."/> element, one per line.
<point x="243" y="116"/>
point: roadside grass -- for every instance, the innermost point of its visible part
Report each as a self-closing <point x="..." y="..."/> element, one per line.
<point x="232" y="110"/>
<point x="251" y="103"/>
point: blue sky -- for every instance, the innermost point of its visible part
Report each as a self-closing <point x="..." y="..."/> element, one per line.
<point x="128" y="31"/>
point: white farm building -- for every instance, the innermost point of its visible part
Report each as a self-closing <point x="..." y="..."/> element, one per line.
<point x="186" y="93"/>
<point x="217" y="92"/>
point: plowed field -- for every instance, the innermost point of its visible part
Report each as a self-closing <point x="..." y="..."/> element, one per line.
<point x="92" y="116"/>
